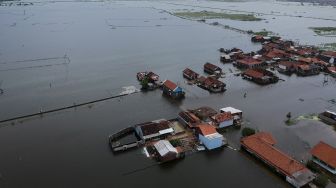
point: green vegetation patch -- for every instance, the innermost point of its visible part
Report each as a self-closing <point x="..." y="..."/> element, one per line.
<point x="247" y="131"/>
<point x="294" y="121"/>
<point x="324" y="31"/>
<point x="217" y="15"/>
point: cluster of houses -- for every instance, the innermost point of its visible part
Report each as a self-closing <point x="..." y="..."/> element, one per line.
<point x="150" y="81"/>
<point x="199" y="127"/>
<point x="211" y="82"/>
<point x="284" y="55"/>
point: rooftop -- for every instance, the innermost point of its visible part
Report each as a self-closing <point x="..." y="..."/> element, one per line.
<point x="154" y="127"/>
<point x="211" y="66"/>
<point x="206" y="129"/>
<point x="262" y="145"/>
<point x="164" y="147"/>
<point x="254" y="73"/>
<point x="249" y="61"/>
<point x="169" y="84"/>
<point x="231" y="110"/>
<point x="221" y="117"/>
<point x="325" y="152"/>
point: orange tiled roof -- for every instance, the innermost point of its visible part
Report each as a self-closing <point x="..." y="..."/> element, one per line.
<point x="222" y="117"/>
<point x="206" y="129"/>
<point x="254" y="73"/>
<point x="169" y="84"/>
<point x="325" y="152"/>
<point x="262" y="145"/>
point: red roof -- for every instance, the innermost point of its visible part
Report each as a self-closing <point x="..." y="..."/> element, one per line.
<point x="211" y="66"/>
<point x="190" y="72"/>
<point x="253" y="73"/>
<point x="249" y="61"/>
<point x="325" y="152"/>
<point x="329" y="53"/>
<point x="332" y="69"/>
<point x="286" y="63"/>
<point x="169" y="84"/>
<point x="212" y="81"/>
<point x="222" y="117"/>
<point x="206" y="129"/>
<point x="276" y="53"/>
<point x="262" y="145"/>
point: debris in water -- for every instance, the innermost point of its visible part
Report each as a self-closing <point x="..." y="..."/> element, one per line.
<point x="129" y="90"/>
<point x="300" y="99"/>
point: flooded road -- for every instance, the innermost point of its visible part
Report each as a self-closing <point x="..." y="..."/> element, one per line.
<point x="107" y="43"/>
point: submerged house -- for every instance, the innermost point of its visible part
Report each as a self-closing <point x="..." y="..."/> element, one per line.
<point x="172" y="90"/>
<point x="261" y="146"/>
<point x="225" y="58"/>
<point x="151" y="76"/>
<point x="166" y="151"/>
<point x="325" y="156"/>
<point x="260" y="76"/>
<point x="153" y="130"/>
<point x="307" y="70"/>
<point x="286" y="67"/>
<point x="236" y="113"/>
<point x="209" y="137"/>
<point x="212" y="69"/>
<point x="190" y="74"/>
<point x="249" y="62"/>
<point x="222" y="120"/>
<point x="211" y="84"/>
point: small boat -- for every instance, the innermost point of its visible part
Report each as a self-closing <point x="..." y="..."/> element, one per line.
<point x="328" y="117"/>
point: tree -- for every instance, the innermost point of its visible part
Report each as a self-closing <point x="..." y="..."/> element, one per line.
<point x="321" y="180"/>
<point x="144" y="83"/>
<point x="247" y="131"/>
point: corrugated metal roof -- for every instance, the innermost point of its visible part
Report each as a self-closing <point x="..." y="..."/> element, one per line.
<point x="164" y="147"/>
<point x="230" y="109"/>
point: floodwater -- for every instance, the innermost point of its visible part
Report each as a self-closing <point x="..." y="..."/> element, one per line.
<point x="107" y="43"/>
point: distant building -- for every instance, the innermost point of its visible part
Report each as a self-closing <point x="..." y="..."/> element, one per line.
<point x="212" y="69"/>
<point x="249" y="62"/>
<point x="260" y="76"/>
<point x="151" y="76"/>
<point x="211" y="84"/>
<point x="166" y="151"/>
<point x="209" y="137"/>
<point x="190" y="74"/>
<point x="225" y="58"/>
<point x="307" y="70"/>
<point x="261" y="145"/>
<point x="325" y="156"/>
<point x="286" y="67"/>
<point x="172" y="90"/>
<point x="153" y="130"/>
<point x="222" y="120"/>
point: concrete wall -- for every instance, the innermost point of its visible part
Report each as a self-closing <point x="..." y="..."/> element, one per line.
<point x="226" y="123"/>
<point x="210" y="143"/>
